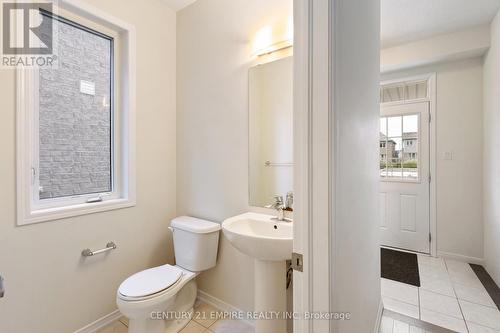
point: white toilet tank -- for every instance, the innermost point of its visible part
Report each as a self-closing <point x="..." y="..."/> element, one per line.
<point x="196" y="243"/>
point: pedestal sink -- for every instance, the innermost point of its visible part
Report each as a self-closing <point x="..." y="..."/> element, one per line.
<point x="269" y="242"/>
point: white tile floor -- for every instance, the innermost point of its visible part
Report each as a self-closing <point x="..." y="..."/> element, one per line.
<point x="450" y="296"/>
<point x="390" y="325"/>
<point x="196" y="325"/>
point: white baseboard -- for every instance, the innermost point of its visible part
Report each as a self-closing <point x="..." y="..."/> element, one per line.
<point x="380" y="312"/>
<point x="460" y="257"/>
<point x="100" y="323"/>
<point x="220" y="305"/>
<point x="202" y="296"/>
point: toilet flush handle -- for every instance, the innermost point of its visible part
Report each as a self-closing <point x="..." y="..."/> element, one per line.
<point x="171" y="229"/>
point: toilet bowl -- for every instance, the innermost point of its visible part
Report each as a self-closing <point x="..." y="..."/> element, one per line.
<point x="160" y="308"/>
<point x="161" y="299"/>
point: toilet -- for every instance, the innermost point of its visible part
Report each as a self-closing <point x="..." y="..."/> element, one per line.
<point x="161" y="299"/>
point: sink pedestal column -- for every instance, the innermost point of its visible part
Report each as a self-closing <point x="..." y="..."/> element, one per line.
<point x="270" y="295"/>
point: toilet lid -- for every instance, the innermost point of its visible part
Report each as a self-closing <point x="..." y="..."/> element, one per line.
<point x="150" y="281"/>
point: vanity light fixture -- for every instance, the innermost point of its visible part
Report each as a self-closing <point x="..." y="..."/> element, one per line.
<point x="270" y="39"/>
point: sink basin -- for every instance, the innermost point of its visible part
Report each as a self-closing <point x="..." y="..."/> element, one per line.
<point x="259" y="236"/>
<point x="269" y="242"/>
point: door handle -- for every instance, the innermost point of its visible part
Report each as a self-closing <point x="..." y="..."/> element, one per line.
<point x="2" y="289"/>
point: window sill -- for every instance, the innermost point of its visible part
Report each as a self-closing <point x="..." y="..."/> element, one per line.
<point x="51" y="214"/>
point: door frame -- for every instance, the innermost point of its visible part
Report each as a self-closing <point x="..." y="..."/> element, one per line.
<point x="312" y="161"/>
<point x="431" y="79"/>
<point x="321" y="31"/>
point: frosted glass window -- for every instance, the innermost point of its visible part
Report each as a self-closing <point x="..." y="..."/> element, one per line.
<point x="392" y="94"/>
<point x="404" y="92"/>
<point x="75" y="115"/>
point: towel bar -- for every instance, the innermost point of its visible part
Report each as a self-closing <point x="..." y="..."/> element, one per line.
<point x="273" y="164"/>
<point x="89" y="253"/>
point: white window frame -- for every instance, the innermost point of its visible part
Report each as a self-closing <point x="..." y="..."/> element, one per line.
<point x="29" y="208"/>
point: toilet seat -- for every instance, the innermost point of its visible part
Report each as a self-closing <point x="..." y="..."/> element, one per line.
<point x="150" y="282"/>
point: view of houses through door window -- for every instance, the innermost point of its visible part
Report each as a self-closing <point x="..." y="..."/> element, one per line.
<point x="399" y="142"/>
<point x="399" y="134"/>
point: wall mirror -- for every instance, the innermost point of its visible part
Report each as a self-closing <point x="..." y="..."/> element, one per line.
<point x="270" y="131"/>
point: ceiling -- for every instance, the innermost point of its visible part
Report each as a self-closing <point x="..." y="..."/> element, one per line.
<point x="178" y="4"/>
<point x="409" y="20"/>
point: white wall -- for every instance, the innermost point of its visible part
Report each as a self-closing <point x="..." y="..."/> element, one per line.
<point x="491" y="157"/>
<point x="214" y="55"/>
<point x="437" y="49"/>
<point x="459" y="121"/>
<point x="356" y="256"/>
<point x="49" y="287"/>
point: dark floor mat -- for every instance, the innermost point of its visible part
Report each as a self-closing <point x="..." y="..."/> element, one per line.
<point x="400" y="266"/>
<point x="488" y="283"/>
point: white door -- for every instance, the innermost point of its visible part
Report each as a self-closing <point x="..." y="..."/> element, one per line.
<point x="404" y="176"/>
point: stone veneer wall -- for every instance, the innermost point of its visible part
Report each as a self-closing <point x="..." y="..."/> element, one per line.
<point x="75" y="132"/>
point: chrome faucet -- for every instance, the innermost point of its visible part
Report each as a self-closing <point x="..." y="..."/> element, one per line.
<point x="289" y="201"/>
<point x="280" y="207"/>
